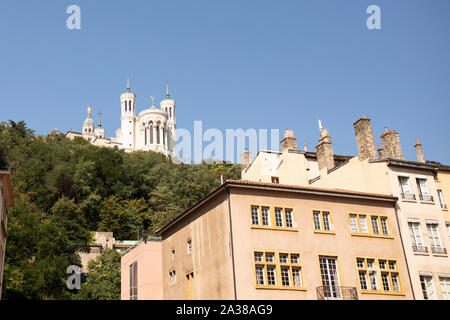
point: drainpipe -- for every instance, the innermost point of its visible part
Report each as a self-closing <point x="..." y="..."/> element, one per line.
<point x="232" y="246"/>
<point x="404" y="252"/>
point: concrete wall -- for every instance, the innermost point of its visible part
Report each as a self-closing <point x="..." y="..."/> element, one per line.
<point x="149" y="270"/>
<point x="210" y="260"/>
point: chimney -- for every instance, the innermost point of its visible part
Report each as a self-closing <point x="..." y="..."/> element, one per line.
<point x="324" y="151"/>
<point x="380" y="152"/>
<point x="289" y="142"/>
<point x="246" y="158"/>
<point x="364" y="139"/>
<point x="391" y="145"/>
<point x="419" y="152"/>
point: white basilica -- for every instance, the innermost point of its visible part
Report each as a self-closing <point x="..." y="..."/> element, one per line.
<point x="153" y="129"/>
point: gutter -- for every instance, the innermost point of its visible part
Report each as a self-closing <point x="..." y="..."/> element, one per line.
<point x="232" y="245"/>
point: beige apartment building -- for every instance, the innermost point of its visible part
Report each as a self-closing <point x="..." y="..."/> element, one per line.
<point x="259" y="240"/>
<point x="422" y="213"/>
<point x="6" y="201"/>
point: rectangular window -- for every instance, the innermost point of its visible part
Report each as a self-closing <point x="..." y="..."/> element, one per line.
<point x="172" y="277"/>
<point x="384" y="226"/>
<point x="285" y="276"/>
<point x="260" y="275"/>
<point x="133" y="281"/>
<point x="190" y="286"/>
<point x="363" y="224"/>
<point x="189" y="246"/>
<point x="433" y="234"/>
<point x="275" y="180"/>
<point x="255" y="216"/>
<point x="330" y="278"/>
<point x="322" y="220"/>
<point x="428" y="288"/>
<point x="265" y="216"/>
<point x="376" y="270"/>
<point x="445" y="287"/>
<point x="416" y="235"/>
<point x="289" y="220"/>
<point x="441" y="199"/>
<point x="405" y="187"/>
<point x="271" y="276"/>
<point x="278" y="217"/>
<point x="375" y="226"/>
<point x="423" y="190"/>
<point x="353" y="224"/>
<point x="316" y="217"/>
<point x="283" y="272"/>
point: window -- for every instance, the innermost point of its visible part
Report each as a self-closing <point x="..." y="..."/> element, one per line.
<point x="423" y="190"/>
<point x="281" y="273"/>
<point x="330" y="277"/>
<point x="190" y="286"/>
<point x="445" y="287"/>
<point x="133" y="281"/>
<point x="172" y="277"/>
<point x="173" y="254"/>
<point x="278" y="217"/>
<point x="405" y="188"/>
<point x="255" y="215"/>
<point x="288" y="216"/>
<point x="447" y="224"/>
<point x="189" y="246"/>
<point x="322" y="221"/>
<point x="265" y="216"/>
<point x="435" y="238"/>
<point x="275" y="180"/>
<point x="379" y="225"/>
<point x="261" y="216"/>
<point x="416" y="237"/>
<point x="441" y="199"/>
<point x="427" y="288"/>
<point x="379" y="275"/>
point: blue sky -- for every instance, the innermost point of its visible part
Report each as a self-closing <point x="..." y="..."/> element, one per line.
<point x="235" y="64"/>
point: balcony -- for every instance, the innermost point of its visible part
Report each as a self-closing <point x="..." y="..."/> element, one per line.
<point x="408" y="196"/>
<point x="421" y="249"/>
<point x="336" y="293"/>
<point x="426" y="198"/>
<point x="438" y="250"/>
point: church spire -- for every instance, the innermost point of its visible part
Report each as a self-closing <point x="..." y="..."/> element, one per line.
<point x="128" y="84"/>
<point x="167" y="90"/>
<point x="89" y="111"/>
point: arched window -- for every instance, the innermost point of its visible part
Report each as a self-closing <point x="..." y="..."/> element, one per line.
<point x="158" y="135"/>
<point x="170" y="110"/>
<point x="151" y="133"/>
<point x="146" y="129"/>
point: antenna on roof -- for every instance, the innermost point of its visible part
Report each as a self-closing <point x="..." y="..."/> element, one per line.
<point x="320" y="126"/>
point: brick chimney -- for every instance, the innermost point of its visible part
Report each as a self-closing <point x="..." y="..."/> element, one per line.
<point x="246" y="158"/>
<point x="391" y="145"/>
<point x="364" y="139"/>
<point x="289" y="142"/>
<point x="419" y="152"/>
<point x="324" y="151"/>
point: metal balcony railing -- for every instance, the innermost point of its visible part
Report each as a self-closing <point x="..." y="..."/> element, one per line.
<point x="438" y="250"/>
<point x="336" y="293"/>
<point x="426" y="198"/>
<point x="408" y="196"/>
<point x="422" y="249"/>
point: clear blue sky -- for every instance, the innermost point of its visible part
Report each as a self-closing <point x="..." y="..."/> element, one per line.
<point x="235" y="64"/>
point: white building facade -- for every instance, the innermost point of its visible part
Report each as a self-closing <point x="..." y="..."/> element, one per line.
<point x="153" y="129"/>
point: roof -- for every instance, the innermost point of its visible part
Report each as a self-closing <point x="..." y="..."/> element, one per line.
<point x="6" y="177"/>
<point x="277" y="187"/>
<point x="409" y="164"/>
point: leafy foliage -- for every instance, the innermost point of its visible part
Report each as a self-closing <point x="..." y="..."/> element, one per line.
<point x="63" y="189"/>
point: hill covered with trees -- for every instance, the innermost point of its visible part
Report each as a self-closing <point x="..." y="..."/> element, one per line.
<point x="65" y="189"/>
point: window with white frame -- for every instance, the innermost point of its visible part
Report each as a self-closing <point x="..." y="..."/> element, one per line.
<point x="445" y="287"/>
<point x="375" y="225"/>
<point x="363" y="224"/>
<point x="322" y="220"/>
<point x="405" y="188"/>
<point x="255" y="215"/>
<point x="434" y="236"/>
<point x="281" y="273"/>
<point x="289" y="219"/>
<point x="133" y="281"/>
<point x="378" y="275"/>
<point x="265" y="216"/>
<point x="423" y="189"/>
<point x="429" y="293"/>
<point x="278" y="217"/>
<point x="441" y="199"/>
<point x="416" y="236"/>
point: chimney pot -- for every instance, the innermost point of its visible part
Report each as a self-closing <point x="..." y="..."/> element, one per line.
<point x="419" y="152"/>
<point x="364" y="139"/>
<point x="391" y="145"/>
